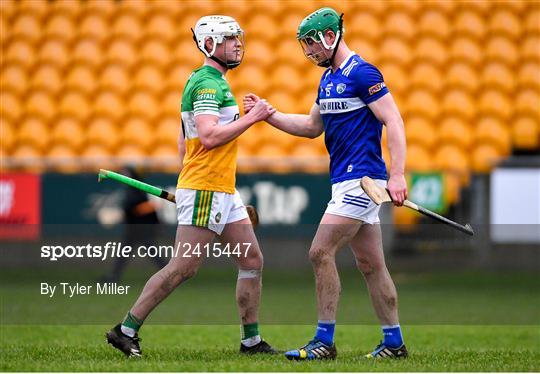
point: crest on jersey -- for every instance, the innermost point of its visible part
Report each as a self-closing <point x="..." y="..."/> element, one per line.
<point x="340" y="88"/>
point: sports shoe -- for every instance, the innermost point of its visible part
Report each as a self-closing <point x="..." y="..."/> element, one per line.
<point x="382" y="351"/>
<point x="314" y="350"/>
<point x="128" y="345"/>
<point x="260" y="347"/>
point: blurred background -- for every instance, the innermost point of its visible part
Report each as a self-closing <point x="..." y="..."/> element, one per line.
<point x="98" y="83"/>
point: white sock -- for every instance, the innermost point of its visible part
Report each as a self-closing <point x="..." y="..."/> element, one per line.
<point x="250" y="342"/>
<point x="128" y="331"/>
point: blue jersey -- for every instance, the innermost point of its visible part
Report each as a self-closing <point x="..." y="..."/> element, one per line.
<point x="352" y="132"/>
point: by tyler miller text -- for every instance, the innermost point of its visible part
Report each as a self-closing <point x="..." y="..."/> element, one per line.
<point x="78" y="289"/>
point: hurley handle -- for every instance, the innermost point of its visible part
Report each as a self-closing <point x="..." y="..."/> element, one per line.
<point x="153" y="190"/>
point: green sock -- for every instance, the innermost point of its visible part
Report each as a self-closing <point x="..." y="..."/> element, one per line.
<point x="250" y="330"/>
<point x="130" y="324"/>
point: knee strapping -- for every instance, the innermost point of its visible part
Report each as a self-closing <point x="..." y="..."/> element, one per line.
<point x="247" y="274"/>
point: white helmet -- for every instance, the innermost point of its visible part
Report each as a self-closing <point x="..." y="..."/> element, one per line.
<point x="217" y="28"/>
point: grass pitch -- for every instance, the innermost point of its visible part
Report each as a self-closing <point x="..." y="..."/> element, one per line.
<point x="451" y="322"/>
<point x="214" y="348"/>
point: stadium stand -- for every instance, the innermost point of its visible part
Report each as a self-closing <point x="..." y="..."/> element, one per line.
<point x="97" y="78"/>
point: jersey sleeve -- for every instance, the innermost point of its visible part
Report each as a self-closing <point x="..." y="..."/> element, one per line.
<point x="370" y="83"/>
<point x="207" y="97"/>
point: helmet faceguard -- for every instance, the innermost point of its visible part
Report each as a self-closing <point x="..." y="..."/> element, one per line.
<point x="220" y="29"/>
<point x="311" y="35"/>
<point x="316" y="51"/>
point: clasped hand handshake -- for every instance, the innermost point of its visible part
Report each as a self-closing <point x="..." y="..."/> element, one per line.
<point x="257" y="108"/>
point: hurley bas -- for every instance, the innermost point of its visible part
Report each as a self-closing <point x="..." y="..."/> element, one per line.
<point x="77" y="289"/>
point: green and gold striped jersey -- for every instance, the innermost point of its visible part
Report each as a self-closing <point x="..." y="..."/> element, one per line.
<point x="207" y="92"/>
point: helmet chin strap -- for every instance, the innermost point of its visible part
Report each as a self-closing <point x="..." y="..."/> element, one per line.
<point x="328" y="62"/>
<point x="226" y="65"/>
<point x="223" y="64"/>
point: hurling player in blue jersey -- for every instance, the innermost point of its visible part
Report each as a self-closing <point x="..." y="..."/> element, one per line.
<point x="352" y="105"/>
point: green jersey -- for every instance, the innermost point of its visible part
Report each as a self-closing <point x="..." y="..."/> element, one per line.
<point x="208" y="93"/>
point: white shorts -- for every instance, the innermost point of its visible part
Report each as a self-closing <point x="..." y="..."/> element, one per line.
<point x="350" y="200"/>
<point x="209" y="209"/>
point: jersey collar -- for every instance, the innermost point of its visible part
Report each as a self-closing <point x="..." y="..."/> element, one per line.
<point x="213" y="71"/>
<point x="346" y="61"/>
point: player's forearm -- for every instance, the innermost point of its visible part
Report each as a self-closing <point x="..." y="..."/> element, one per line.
<point x="397" y="146"/>
<point x="294" y="124"/>
<point x="220" y="135"/>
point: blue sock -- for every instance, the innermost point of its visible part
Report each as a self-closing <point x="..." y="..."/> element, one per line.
<point x="392" y="336"/>
<point x="325" y="332"/>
